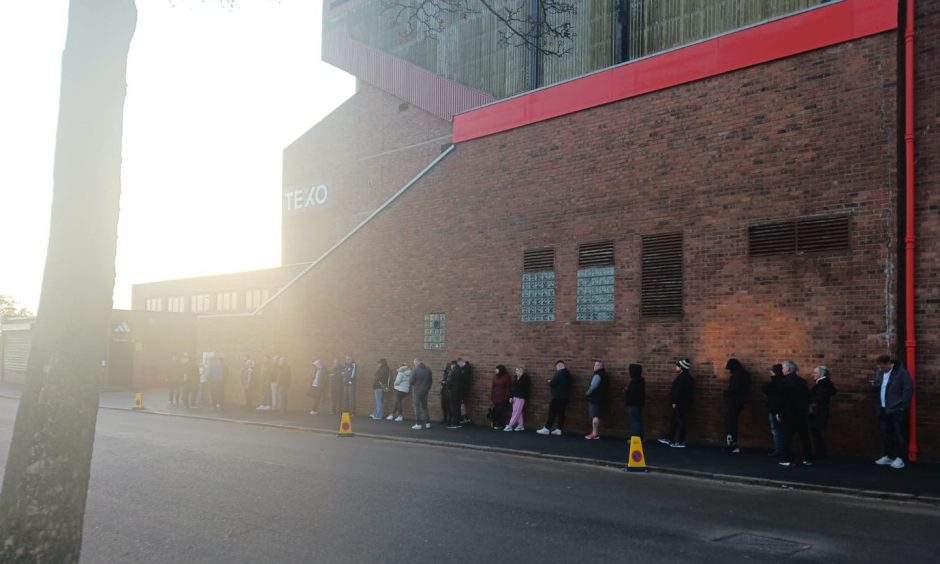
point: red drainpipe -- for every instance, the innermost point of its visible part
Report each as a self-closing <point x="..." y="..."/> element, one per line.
<point x="909" y="213"/>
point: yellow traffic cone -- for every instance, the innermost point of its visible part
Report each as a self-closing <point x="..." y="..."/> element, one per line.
<point x="345" y="426"/>
<point x="637" y="461"/>
<point x="138" y="400"/>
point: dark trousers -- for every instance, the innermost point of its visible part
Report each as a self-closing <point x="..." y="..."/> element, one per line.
<point x="445" y="406"/>
<point x="732" y="414"/>
<point x="336" y="397"/>
<point x="893" y="433"/>
<point x="314" y="394"/>
<point x="349" y="398"/>
<point x="677" y="426"/>
<point x="455" y="401"/>
<point x="189" y="393"/>
<point x="796" y="425"/>
<point x="499" y="414"/>
<point x="399" y="395"/>
<point x="556" y="411"/>
<point x="635" y="413"/>
<point x="421" y="406"/>
<point x="176" y="392"/>
<point x="819" y="443"/>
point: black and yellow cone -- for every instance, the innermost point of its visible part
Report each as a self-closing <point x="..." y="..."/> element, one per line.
<point x="637" y="460"/>
<point x="345" y="426"/>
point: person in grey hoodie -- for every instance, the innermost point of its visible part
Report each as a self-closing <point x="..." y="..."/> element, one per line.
<point x="420" y="388"/>
<point x="402" y="385"/>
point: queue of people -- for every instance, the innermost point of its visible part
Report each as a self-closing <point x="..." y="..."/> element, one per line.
<point x="795" y="409"/>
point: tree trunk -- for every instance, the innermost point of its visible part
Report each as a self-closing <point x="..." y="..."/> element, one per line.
<point x="42" y="505"/>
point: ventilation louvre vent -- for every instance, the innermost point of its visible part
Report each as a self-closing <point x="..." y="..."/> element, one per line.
<point x="661" y="292"/>
<point x="596" y="254"/>
<point x="797" y="237"/>
<point x="538" y="260"/>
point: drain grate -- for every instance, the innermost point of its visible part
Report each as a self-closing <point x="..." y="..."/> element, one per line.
<point x="770" y="545"/>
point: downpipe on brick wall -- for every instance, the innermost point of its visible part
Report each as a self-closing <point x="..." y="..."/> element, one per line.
<point x="909" y="239"/>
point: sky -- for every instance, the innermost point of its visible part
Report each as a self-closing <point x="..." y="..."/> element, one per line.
<point x="213" y="97"/>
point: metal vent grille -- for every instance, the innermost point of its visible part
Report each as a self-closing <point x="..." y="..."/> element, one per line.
<point x="596" y="254"/>
<point x="538" y="260"/>
<point x="661" y="292"/>
<point x="803" y="236"/>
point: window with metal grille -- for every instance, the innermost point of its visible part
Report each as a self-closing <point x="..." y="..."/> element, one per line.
<point x="154" y="304"/>
<point x="797" y="237"/>
<point x="538" y="285"/>
<point x="661" y="287"/>
<point x="434" y="331"/>
<point x="596" y="282"/>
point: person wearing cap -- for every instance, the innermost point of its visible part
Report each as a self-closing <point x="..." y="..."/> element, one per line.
<point x="680" y="398"/>
<point x="635" y="399"/>
<point x="559" y="385"/>
<point x="596" y="396"/>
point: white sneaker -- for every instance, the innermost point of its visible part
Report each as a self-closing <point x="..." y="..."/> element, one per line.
<point x="427" y="425"/>
<point x="520" y="428"/>
<point x="399" y="418"/>
<point x="898" y="463"/>
<point x="416" y="426"/>
<point x="556" y="432"/>
<point x="314" y="412"/>
<point x="390" y="418"/>
<point x="259" y="408"/>
<point x="507" y="428"/>
<point x="543" y="431"/>
<point x="883" y="461"/>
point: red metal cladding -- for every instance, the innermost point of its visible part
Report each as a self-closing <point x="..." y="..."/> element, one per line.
<point x="422" y="88"/>
<point x="805" y="31"/>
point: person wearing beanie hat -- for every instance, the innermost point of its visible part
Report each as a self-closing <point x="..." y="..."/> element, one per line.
<point x="635" y="398"/>
<point x="773" y="390"/>
<point x="680" y="399"/>
<point x="739" y="384"/>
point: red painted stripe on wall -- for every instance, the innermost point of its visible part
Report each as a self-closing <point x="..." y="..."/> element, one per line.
<point x="806" y="31"/>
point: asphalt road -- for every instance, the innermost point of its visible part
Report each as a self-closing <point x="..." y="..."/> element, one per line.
<point x="166" y="489"/>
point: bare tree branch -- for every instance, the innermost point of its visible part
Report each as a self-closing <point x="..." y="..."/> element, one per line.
<point x="544" y="32"/>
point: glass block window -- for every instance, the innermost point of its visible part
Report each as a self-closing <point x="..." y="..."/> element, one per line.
<point x="596" y="282"/>
<point x="434" y="331"/>
<point x="538" y="285"/>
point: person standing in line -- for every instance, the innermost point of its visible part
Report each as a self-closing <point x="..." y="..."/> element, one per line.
<point x="284" y="379"/>
<point x="174" y="378"/>
<point x="190" y="380"/>
<point x="275" y="384"/>
<point x="249" y="382"/>
<point x="739" y="384"/>
<point x="773" y="390"/>
<point x="635" y="399"/>
<point x="215" y="376"/>
<point x="895" y="393"/>
<point x="596" y="396"/>
<point x="316" y="383"/>
<point x="402" y="386"/>
<point x="264" y="371"/>
<point x="820" y="394"/>
<point x="446" y="418"/>
<point x="381" y="383"/>
<point x="203" y="398"/>
<point x="518" y="396"/>
<point x="794" y="414"/>
<point x="421" y="387"/>
<point x="350" y="374"/>
<point x="680" y="399"/>
<point x="559" y="387"/>
<point x="463" y="383"/>
<point x="499" y="395"/>
<point x="336" y="387"/>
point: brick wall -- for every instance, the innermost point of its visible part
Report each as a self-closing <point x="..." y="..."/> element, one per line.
<point x="362" y="153"/>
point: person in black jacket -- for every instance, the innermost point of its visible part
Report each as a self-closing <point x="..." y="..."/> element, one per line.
<point x="381" y="383"/>
<point x="794" y="413"/>
<point x="518" y="396"/>
<point x="445" y="394"/>
<point x="559" y="385"/>
<point x="596" y="396"/>
<point x="680" y="399"/>
<point x="822" y="391"/>
<point x="459" y="382"/>
<point x="773" y="391"/>
<point x="739" y="384"/>
<point x="635" y="399"/>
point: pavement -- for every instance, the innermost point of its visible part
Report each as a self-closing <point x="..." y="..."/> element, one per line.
<point x="918" y="482"/>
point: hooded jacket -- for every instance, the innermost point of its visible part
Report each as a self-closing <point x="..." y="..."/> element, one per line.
<point x="520" y="387"/>
<point x="635" y="392"/>
<point x="739" y="384"/>
<point x="774" y="389"/>
<point x="560" y="384"/>
<point x="403" y="379"/>
<point x="383" y="376"/>
<point x="681" y="391"/>
<point x="421" y="379"/>
<point x="499" y="393"/>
